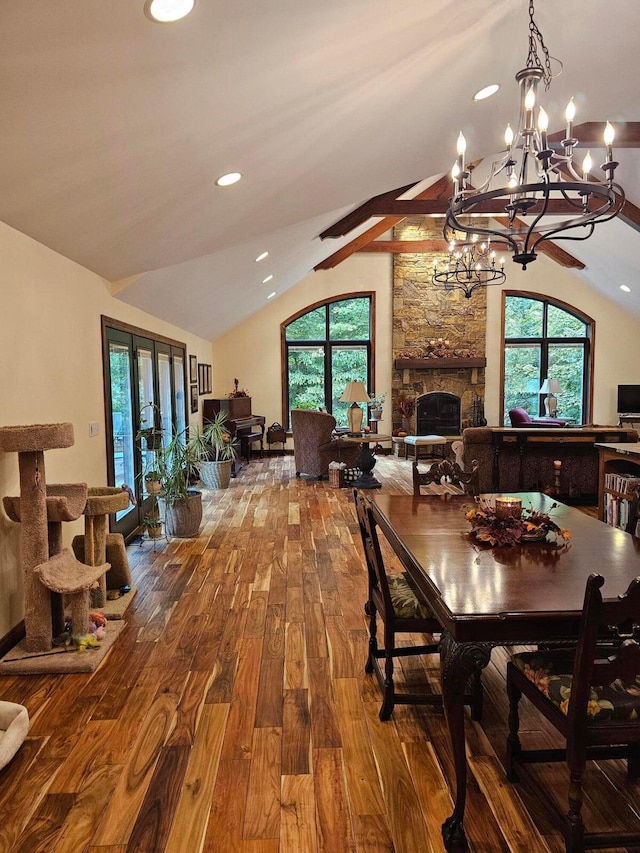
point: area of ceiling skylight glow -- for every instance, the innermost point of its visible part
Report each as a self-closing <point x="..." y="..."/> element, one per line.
<point x="262" y="256"/>
<point x="271" y="295"/>
<point x="486" y="92"/>
<point x="267" y="279"/>
<point x="167" y="11"/>
<point x="624" y="288"/>
<point x="228" y="179"/>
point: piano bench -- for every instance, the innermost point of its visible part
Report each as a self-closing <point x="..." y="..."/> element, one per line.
<point x="247" y="440"/>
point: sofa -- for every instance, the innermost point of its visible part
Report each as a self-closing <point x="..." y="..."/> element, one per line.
<point x="521" y="418"/>
<point x="520" y="460"/>
<point x="315" y="446"/>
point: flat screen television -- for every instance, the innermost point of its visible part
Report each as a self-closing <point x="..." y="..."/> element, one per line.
<point x="628" y="399"/>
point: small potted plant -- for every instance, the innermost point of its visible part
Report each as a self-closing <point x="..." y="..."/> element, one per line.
<point x="153" y="526"/>
<point x="215" y="470"/>
<point x="149" y="429"/>
<point x="375" y="406"/>
<point x="152" y="482"/>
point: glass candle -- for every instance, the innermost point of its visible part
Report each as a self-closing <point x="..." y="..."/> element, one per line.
<point x="508" y="507"/>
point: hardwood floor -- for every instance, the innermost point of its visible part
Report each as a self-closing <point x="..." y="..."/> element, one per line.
<point x="233" y="713"/>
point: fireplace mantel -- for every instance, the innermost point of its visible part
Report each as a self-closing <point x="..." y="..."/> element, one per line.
<point x="438" y="363"/>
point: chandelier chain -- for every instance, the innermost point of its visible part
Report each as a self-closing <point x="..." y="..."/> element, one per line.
<point x="533" y="60"/>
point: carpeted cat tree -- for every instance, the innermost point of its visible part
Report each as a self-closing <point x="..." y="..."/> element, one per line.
<point x="48" y="568"/>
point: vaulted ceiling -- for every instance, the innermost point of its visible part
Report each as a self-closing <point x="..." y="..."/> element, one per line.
<point x="114" y="130"/>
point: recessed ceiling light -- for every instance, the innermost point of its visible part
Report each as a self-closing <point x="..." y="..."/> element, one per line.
<point x="486" y="92"/>
<point x="271" y="295"/>
<point x="262" y="256"/>
<point x="267" y="279"/>
<point x="167" y="11"/>
<point x="625" y="288"/>
<point x="228" y="179"/>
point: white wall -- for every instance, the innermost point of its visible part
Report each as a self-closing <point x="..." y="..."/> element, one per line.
<point x="251" y="351"/>
<point x="51" y="371"/>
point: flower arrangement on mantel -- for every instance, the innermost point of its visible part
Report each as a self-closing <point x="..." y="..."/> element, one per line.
<point x="439" y="349"/>
<point x="237" y="392"/>
<point x="500" y="526"/>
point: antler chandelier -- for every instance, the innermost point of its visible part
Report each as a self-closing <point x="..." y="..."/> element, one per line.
<point x="470" y="265"/>
<point x="538" y="183"/>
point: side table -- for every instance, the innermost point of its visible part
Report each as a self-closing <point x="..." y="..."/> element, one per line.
<point x="366" y="460"/>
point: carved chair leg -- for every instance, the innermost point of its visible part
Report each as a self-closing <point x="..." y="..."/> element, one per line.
<point x="513" y="740"/>
<point x="633" y="761"/>
<point x="389" y="689"/>
<point x="370" y="610"/>
<point x="573" y="824"/>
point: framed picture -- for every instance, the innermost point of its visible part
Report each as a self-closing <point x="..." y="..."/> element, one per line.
<point x="193" y="369"/>
<point x="204" y="379"/>
<point x="193" y="389"/>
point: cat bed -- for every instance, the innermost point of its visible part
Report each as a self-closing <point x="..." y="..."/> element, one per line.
<point x="14" y="725"/>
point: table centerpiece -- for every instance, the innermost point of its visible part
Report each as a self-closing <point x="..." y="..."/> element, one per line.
<point x="507" y="523"/>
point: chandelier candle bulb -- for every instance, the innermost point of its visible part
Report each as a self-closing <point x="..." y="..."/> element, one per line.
<point x="508" y="507"/>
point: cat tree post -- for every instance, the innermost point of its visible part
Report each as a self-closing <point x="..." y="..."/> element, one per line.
<point x="101" y="501"/>
<point x="30" y="442"/>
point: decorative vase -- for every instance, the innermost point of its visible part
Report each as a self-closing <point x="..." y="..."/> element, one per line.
<point x="154" y="532"/>
<point x="376" y="414"/>
<point x="216" y="475"/>
<point x="182" y="517"/>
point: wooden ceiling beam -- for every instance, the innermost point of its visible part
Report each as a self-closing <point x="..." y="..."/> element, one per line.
<point x="590" y="133"/>
<point x="399" y="247"/>
<point x="439" y="190"/>
<point x="361" y="214"/>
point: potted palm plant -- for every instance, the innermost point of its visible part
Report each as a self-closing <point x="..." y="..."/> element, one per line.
<point x="180" y="504"/>
<point x="215" y="470"/>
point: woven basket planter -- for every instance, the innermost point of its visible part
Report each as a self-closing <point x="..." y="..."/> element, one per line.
<point x="182" y="518"/>
<point x="216" y="475"/>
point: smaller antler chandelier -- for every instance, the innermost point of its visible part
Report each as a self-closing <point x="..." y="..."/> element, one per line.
<point x="539" y="184"/>
<point x="470" y="265"/>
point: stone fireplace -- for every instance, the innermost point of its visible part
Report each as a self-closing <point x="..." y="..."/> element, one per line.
<point x="438" y="336"/>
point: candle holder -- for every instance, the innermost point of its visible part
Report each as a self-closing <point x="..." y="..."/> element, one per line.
<point x="508" y="508"/>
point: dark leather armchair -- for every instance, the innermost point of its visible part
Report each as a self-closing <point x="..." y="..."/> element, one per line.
<point x="313" y="445"/>
<point x="521" y="418"/>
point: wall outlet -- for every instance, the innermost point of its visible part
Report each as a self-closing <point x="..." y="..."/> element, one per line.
<point x="94" y="429"/>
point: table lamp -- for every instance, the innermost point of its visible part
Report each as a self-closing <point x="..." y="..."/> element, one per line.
<point x="551" y="387"/>
<point x="355" y="393"/>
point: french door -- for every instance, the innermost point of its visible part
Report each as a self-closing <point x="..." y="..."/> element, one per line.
<point x="145" y="385"/>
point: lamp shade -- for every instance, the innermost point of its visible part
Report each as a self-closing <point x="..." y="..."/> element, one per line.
<point x="355" y="393"/>
<point x="551" y="386"/>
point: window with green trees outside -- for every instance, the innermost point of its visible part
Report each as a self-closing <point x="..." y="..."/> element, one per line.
<point x="325" y="347"/>
<point x="546" y="339"/>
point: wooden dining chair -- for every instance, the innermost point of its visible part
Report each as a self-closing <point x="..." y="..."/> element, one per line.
<point x="591" y="695"/>
<point x="446" y="477"/>
<point x="402" y="610"/>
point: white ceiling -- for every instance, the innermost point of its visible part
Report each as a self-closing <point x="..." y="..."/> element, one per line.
<point x="115" y="128"/>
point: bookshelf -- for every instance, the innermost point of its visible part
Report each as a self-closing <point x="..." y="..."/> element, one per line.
<point x="618" y="476"/>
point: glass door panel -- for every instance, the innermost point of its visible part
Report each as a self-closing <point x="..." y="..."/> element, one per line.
<point x="122" y="449"/>
<point x="179" y="390"/>
<point x="164" y="395"/>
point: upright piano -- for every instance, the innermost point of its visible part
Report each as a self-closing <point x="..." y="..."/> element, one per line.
<point x="239" y="420"/>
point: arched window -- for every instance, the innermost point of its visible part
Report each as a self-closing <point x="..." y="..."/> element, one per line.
<point x="324" y="347"/>
<point x="546" y="339"/>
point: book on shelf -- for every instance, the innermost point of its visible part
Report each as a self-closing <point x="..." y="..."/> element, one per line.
<point x="621" y="482"/>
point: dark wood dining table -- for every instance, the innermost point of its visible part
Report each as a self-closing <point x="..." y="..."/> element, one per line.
<point x="485" y="596"/>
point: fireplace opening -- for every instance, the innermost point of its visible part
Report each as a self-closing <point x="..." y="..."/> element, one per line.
<point x="438" y="413"/>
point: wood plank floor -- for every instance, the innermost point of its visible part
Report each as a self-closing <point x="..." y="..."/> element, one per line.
<point x="233" y="713"/>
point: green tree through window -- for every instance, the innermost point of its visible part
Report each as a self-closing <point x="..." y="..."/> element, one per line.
<point x="324" y="348"/>
<point x="544" y="339"/>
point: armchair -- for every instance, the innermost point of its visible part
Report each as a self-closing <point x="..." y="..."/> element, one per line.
<point x="313" y="445"/>
<point x="521" y="418"/>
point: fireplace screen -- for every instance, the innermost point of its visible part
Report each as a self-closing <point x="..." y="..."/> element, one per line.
<point x="438" y="413"/>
